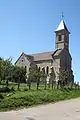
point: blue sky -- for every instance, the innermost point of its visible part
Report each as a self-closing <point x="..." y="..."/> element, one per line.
<point x="28" y="26"/>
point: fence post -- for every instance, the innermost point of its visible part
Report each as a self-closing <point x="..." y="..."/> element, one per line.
<point x="78" y="85"/>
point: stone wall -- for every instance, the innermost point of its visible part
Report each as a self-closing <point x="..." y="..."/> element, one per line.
<point x="23" y="62"/>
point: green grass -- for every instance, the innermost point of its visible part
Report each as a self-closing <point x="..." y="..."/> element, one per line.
<point x="21" y="99"/>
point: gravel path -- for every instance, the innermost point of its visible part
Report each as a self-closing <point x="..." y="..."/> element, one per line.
<point x="65" y="110"/>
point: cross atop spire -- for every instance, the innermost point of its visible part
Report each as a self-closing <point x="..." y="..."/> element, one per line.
<point x="62" y="15"/>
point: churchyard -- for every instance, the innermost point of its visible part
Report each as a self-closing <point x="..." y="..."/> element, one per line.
<point x="25" y="97"/>
<point x="17" y="93"/>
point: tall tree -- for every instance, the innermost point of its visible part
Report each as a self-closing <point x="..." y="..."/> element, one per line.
<point x="5" y="68"/>
<point x="44" y="78"/>
<point x="34" y="76"/>
<point x="63" y="76"/>
<point x="18" y="75"/>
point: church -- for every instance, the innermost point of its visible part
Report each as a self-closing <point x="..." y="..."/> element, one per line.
<point x="52" y="60"/>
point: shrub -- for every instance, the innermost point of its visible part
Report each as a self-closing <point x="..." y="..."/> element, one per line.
<point x="25" y="89"/>
<point x="4" y="89"/>
<point x="12" y="89"/>
<point x="1" y="96"/>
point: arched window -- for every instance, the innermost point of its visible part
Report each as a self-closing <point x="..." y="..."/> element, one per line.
<point x="53" y="73"/>
<point x="47" y="70"/>
<point x="39" y="68"/>
<point x="59" y="38"/>
<point x="26" y="68"/>
<point x="22" y="60"/>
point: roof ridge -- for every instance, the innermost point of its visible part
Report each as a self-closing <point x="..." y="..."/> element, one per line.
<point x="40" y="53"/>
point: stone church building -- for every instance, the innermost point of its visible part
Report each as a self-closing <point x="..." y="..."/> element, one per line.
<point x="53" y="60"/>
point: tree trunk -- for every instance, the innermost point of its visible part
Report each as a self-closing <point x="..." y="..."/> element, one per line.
<point x="18" y="85"/>
<point x="37" y="84"/>
<point x="29" y="86"/>
<point x="29" y="83"/>
<point x="57" y="85"/>
<point x="52" y="84"/>
<point x="7" y="83"/>
<point x="45" y="84"/>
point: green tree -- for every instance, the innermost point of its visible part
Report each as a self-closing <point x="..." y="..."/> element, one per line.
<point x="5" y="68"/>
<point x="34" y="76"/>
<point x="63" y="77"/>
<point x="52" y="77"/>
<point x="44" y="79"/>
<point x="18" y="75"/>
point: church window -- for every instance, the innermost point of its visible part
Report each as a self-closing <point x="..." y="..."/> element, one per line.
<point x="39" y="68"/>
<point x="47" y="70"/>
<point x="22" y="60"/>
<point x="59" y="38"/>
<point x="26" y="68"/>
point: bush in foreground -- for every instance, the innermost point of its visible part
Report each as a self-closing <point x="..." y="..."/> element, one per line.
<point x="4" y="89"/>
<point x="22" y="99"/>
<point x="1" y="96"/>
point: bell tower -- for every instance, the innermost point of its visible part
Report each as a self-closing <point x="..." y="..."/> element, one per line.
<point x="62" y="36"/>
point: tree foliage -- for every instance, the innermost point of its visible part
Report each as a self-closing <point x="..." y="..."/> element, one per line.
<point x="5" y="68"/>
<point x="64" y="77"/>
<point x="10" y="72"/>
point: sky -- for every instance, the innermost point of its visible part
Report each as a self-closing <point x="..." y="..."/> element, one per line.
<point x="29" y="26"/>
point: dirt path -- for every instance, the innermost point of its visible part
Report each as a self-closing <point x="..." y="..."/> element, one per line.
<point x="65" y="110"/>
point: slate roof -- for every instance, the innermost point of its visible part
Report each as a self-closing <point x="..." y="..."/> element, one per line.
<point x="43" y="56"/>
<point x="57" y="52"/>
<point x="62" y="26"/>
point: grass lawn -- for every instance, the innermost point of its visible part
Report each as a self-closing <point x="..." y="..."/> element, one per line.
<point x="33" y="97"/>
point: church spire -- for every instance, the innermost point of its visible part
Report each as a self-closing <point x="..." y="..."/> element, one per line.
<point x="62" y="36"/>
<point x="62" y="26"/>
